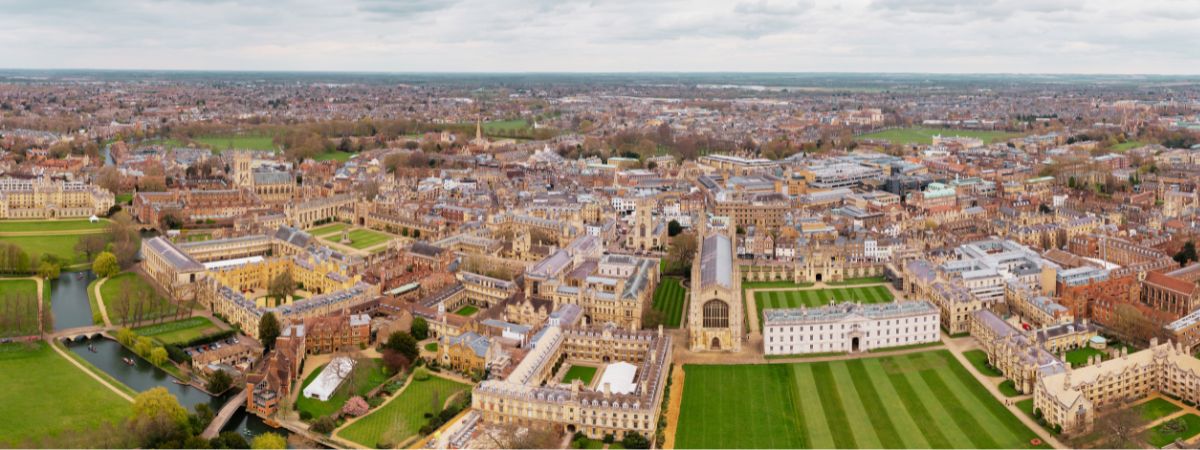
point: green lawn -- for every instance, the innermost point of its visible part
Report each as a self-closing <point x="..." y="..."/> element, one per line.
<point x="153" y="306"/>
<point x="582" y="373"/>
<point x="403" y="416"/>
<point x="432" y="346"/>
<point x="979" y="359"/>
<point x="326" y="230"/>
<point x="1127" y="145"/>
<point x="62" y="246"/>
<point x="1079" y="356"/>
<point x="1156" y="408"/>
<point x="773" y="285"/>
<point x="1185" y="427"/>
<point x="467" y="311"/>
<point x="361" y="238"/>
<point x="377" y="374"/>
<point x="918" y="400"/>
<point x="45" y="395"/>
<point x="221" y="143"/>
<point x="920" y="135"/>
<point x="819" y="297"/>
<point x="854" y="281"/>
<point x="669" y="298"/>
<point x="179" y="331"/>
<point x="123" y="199"/>
<point x="51" y="225"/>
<point x="1008" y="388"/>
<point x="334" y="156"/>
<point x="22" y="296"/>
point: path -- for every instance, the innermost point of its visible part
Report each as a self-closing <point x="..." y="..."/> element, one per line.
<point x="231" y="406"/>
<point x="957" y="346"/>
<point x="100" y="301"/>
<point x="673" y="407"/>
<point x="91" y="374"/>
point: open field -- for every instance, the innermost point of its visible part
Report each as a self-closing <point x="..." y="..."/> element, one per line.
<point x="334" y="156"/>
<point x="918" y="400"/>
<point x="819" y="297"/>
<point x="329" y="229"/>
<point x="376" y="375"/>
<point x="222" y="143"/>
<point x="920" y="135"/>
<point x="51" y="225"/>
<point x="62" y="246"/>
<point x="402" y="417"/>
<point x="669" y="298"/>
<point x="467" y="311"/>
<point x="1127" y="145"/>
<point x="179" y="331"/>
<point x="112" y="292"/>
<point x="581" y="373"/>
<point x="45" y="395"/>
<point x="21" y="295"/>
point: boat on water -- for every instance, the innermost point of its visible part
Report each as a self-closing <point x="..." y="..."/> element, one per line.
<point x="127" y="360"/>
<point x="92" y="348"/>
<point x="176" y="381"/>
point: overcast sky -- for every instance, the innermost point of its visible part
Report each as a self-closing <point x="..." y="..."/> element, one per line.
<point x="994" y="36"/>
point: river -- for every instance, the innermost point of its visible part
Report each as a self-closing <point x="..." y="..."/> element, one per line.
<point x="69" y="300"/>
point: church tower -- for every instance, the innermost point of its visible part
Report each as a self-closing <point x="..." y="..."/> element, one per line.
<point x="715" y="313"/>
<point x="243" y="176"/>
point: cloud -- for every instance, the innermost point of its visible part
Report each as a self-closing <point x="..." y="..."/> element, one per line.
<point x="1148" y="36"/>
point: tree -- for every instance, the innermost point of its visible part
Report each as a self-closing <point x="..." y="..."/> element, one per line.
<point x="229" y="439"/>
<point x="419" y="328"/>
<point x="157" y="417"/>
<point x="268" y="330"/>
<point x="634" y="439"/>
<point x="158" y="356"/>
<point x="109" y="177"/>
<point x="106" y="265"/>
<point x="356" y="406"/>
<point x="323" y="425"/>
<point x="404" y="343"/>
<point x="49" y="270"/>
<point x="680" y="254"/>
<point x="1186" y="254"/>
<point x="281" y="286"/>
<point x="219" y="382"/>
<point x="1119" y="427"/>
<point x="395" y="361"/>
<point x="268" y="441"/>
<point x="91" y="244"/>
<point x="674" y="228"/>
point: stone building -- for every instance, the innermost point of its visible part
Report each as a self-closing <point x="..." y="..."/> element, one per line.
<point x="849" y="327"/>
<point x="715" y="315"/>
<point x="50" y="199"/>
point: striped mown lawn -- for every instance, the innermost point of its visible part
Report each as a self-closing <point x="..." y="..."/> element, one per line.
<point x="819" y="297"/>
<point x="402" y="417"/>
<point x="918" y="400"/>
<point x="669" y="298"/>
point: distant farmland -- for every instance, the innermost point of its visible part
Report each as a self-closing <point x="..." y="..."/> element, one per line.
<point x="920" y="135"/>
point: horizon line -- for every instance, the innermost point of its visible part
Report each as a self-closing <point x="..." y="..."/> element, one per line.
<point x="553" y="72"/>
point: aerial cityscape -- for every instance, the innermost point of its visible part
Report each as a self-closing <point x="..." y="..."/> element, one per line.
<point x="271" y="238"/>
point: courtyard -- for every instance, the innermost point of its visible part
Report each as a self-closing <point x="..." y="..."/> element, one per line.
<point x="669" y="299"/>
<point x="403" y="415"/>
<point x="813" y="298"/>
<point x="886" y="402"/>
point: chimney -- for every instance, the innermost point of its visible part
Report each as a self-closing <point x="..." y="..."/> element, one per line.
<point x="607" y="390"/>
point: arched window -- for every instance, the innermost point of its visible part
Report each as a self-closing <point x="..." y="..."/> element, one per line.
<point x="716" y="314"/>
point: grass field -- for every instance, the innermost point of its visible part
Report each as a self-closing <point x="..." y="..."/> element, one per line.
<point x="1008" y="388"/>
<point x="432" y="346"/>
<point x="854" y="281"/>
<point x="403" y="416"/>
<point x="467" y="311"/>
<point x="376" y="376"/>
<point x="51" y="225"/>
<point x="669" y="298"/>
<point x="774" y="285"/>
<point x="918" y="400"/>
<point x="581" y="373"/>
<point x="920" y="135"/>
<point x="23" y="295"/>
<point x="123" y="199"/>
<point x="222" y="143"/>
<point x="1127" y="145"/>
<point x="819" y="297"/>
<point x="326" y="230"/>
<point x="1156" y="408"/>
<point x="179" y="331"/>
<point x="62" y="246"/>
<point x="45" y="395"/>
<point x="154" y="306"/>
<point x="362" y="238"/>
<point x="1078" y="357"/>
<point x="1162" y="434"/>
<point x="979" y="359"/>
<point x="334" y="156"/>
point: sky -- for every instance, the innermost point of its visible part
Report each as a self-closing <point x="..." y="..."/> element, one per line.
<point x="942" y="36"/>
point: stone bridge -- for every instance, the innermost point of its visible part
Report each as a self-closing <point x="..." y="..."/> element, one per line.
<point x="222" y="417"/>
<point x="80" y="333"/>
